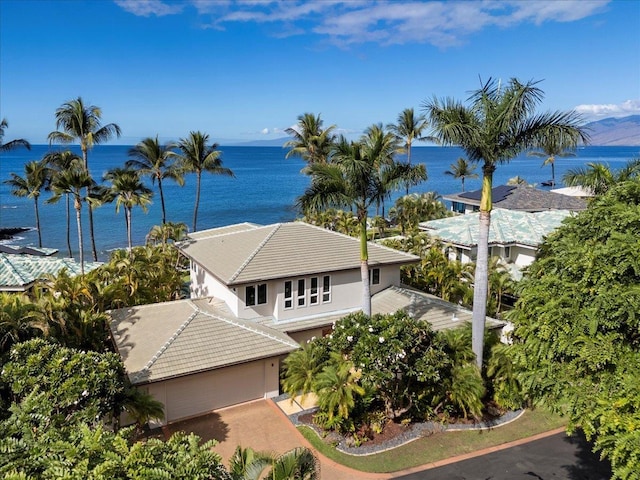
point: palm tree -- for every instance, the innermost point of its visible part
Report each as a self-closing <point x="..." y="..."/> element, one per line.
<point x="197" y="157"/>
<point x="36" y="176"/>
<point x="20" y="320"/>
<point x="74" y="181"/>
<point x="409" y="128"/>
<point x="128" y="191"/>
<point x="598" y="178"/>
<point x="151" y="158"/>
<point x="337" y="387"/>
<point x="550" y="150"/>
<point x="296" y="464"/>
<point x="462" y="169"/>
<point x="310" y="141"/>
<point x="76" y="121"/>
<point x="354" y="179"/>
<point x="58" y="162"/>
<point x="13" y="144"/>
<point x="301" y="368"/>
<point x="498" y="125"/>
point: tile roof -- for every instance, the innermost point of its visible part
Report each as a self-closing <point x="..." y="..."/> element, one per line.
<point x="27" y="250"/>
<point x="251" y="254"/>
<point x="19" y="271"/>
<point x="522" y="197"/>
<point x="166" y="340"/>
<point x="423" y="306"/>
<point x="508" y="227"/>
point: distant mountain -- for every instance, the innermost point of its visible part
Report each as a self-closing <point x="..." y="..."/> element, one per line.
<point x="623" y="131"/>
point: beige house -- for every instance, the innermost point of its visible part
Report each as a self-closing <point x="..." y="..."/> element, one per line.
<point x="256" y="293"/>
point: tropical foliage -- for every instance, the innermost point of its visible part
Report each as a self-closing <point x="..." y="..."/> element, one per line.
<point x="462" y="170"/>
<point x="598" y="178"/>
<point x="12" y="144"/>
<point x="311" y="141"/>
<point x="296" y="464"/>
<point x="576" y="339"/>
<point x="552" y="149"/>
<point x="410" y="210"/>
<point x="500" y="123"/>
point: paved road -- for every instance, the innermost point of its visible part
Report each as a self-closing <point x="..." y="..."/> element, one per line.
<point x="557" y="457"/>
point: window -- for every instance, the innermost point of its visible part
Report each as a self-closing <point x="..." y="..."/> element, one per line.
<point x="313" y="293"/>
<point x="326" y="289"/>
<point x="301" y="293"/>
<point x="288" y="294"/>
<point x="374" y="276"/>
<point x="250" y="294"/>
<point x="507" y="252"/>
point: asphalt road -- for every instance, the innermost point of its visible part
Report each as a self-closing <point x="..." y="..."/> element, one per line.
<point x="557" y="457"/>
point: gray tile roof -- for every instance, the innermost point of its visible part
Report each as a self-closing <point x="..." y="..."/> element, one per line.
<point x="250" y="254"/>
<point x="19" y="271"/>
<point x="28" y="250"/>
<point x="166" y="340"/>
<point x="422" y="306"/>
<point x="508" y="227"/>
<point x="522" y="197"/>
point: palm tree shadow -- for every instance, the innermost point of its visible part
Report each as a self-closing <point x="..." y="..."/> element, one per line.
<point x="587" y="464"/>
<point x="207" y="427"/>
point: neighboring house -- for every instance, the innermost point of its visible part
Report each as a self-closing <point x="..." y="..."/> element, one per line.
<point x="26" y="250"/>
<point x="513" y="236"/>
<point x="578" y="191"/>
<point x="523" y="198"/>
<point x="19" y="272"/>
<point x="257" y="293"/>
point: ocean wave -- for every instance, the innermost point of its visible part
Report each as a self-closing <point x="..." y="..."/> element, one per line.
<point x="7" y="207"/>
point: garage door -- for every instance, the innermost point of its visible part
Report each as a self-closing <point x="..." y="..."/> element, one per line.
<point x="203" y="392"/>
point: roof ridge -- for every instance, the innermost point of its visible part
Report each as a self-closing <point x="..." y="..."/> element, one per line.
<point x="172" y="339"/>
<point x="254" y="253"/>
<point x="243" y="325"/>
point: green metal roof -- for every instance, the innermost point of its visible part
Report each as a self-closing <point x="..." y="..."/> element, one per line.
<point x="19" y="272"/>
<point x="508" y="227"/>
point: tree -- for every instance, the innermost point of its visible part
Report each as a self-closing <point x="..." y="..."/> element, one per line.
<point x="197" y="157"/>
<point x="462" y="170"/>
<point x="412" y="209"/>
<point x="354" y="178"/>
<point x="296" y="464"/>
<point x="59" y="162"/>
<point x="76" y="121"/>
<point x="128" y="191"/>
<point x="74" y="181"/>
<point x="302" y="367"/>
<point x="409" y="128"/>
<point x="576" y="341"/>
<point x="310" y="141"/>
<point x="550" y="150"/>
<point x="598" y="178"/>
<point x="499" y="124"/>
<point x="20" y="320"/>
<point x="337" y="386"/>
<point x="36" y="177"/>
<point x="151" y="158"/>
<point x="12" y="144"/>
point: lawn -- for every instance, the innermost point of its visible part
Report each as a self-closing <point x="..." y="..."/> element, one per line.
<point x="441" y="445"/>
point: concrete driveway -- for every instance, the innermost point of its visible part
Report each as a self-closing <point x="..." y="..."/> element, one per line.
<point x="262" y="426"/>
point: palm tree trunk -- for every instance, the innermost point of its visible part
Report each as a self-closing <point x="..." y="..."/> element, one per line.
<point x="481" y="280"/>
<point x="553" y="174"/>
<point x="409" y="163"/>
<point x="78" y="207"/>
<point x="69" y="225"/>
<point x="35" y="202"/>
<point x="92" y="234"/>
<point x="127" y="216"/>
<point x="164" y="213"/>
<point x="195" y="209"/>
<point x="364" y="268"/>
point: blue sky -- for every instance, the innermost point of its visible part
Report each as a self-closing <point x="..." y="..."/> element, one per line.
<point x="245" y="70"/>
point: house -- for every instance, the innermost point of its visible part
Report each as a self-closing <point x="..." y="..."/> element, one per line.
<point x="514" y="236"/>
<point x="524" y="198"/>
<point x="20" y="271"/>
<point x="257" y="293"/>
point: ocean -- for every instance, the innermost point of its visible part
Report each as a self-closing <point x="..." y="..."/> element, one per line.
<point x="263" y="191"/>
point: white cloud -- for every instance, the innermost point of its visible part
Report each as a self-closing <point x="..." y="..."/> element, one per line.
<point x="628" y="107"/>
<point x="344" y="22"/>
<point x="146" y="8"/>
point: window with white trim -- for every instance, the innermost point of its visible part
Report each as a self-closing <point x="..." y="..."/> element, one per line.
<point x="288" y="294"/>
<point x="326" y="289"/>
<point x="302" y="294"/>
<point x="313" y="291"/>
<point x="255" y="294"/>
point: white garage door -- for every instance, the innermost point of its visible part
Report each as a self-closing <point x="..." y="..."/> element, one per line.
<point x="203" y="392"/>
